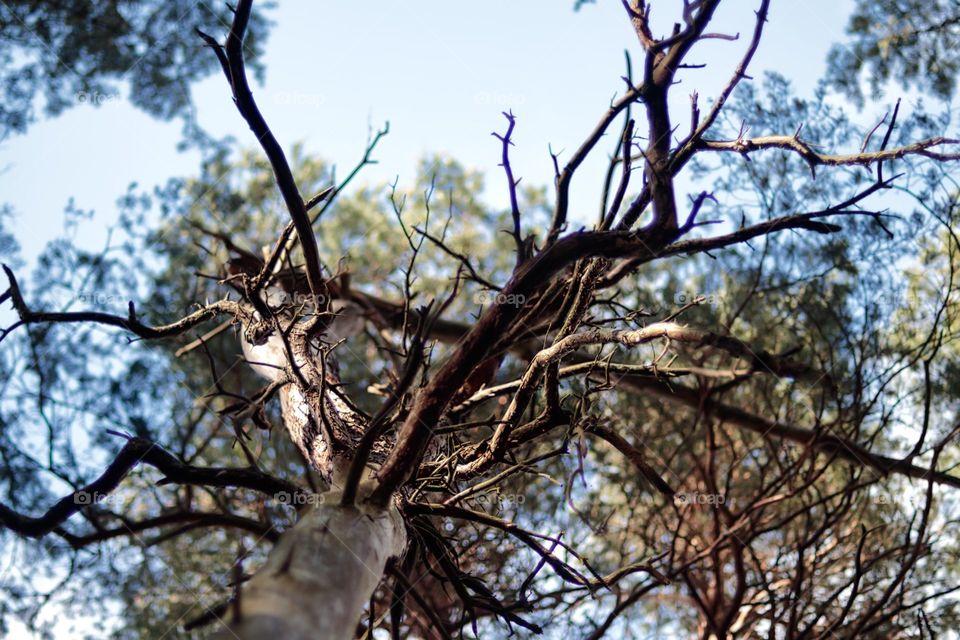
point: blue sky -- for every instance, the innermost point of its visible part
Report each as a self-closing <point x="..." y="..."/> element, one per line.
<point x="440" y="72"/>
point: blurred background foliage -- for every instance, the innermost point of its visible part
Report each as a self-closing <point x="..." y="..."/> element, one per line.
<point x="63" y="53"/>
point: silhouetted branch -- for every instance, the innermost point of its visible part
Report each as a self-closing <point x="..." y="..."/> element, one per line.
<point x="131" y="323"/>
<point x="231" y="59"/>
<point x="135" y="452"/>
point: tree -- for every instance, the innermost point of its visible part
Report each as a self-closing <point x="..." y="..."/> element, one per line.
<point x="688" y="429"/>
<point x="75" y="53"/>
<point x="914" y="43"/>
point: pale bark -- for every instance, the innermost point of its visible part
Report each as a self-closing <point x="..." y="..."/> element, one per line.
<point x="324" y="569"/>
<point x="319" y="575"/>
<point x="314" y="409"/>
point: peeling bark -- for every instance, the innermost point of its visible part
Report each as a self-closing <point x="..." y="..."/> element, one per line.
<point x="319" y="419"/>
<point x="325" y="568"/>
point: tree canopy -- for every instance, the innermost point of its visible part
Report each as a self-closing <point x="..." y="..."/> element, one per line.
<point x="733" y="416"/>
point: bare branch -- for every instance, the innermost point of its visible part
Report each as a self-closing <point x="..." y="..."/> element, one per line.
<point x="232" y="60"/>
<point x="189" y="520"/>
<point x="135" y="452"/>
<point x="746" y="146"/>
<point x="131" y="323"/>
<point x="506" y="142"/>
<point x="687" y="147"/>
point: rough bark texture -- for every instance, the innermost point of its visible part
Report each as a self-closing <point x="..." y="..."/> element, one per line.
<point x="323" y="570"/>
<point x="319" y="419"/>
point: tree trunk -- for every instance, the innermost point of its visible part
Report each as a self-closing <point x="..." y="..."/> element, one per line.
<point x="319" y="575"/>
<point x="325" y="568"/>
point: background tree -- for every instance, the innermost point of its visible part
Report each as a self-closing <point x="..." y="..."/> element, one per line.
<point x="73" y="53"/>
<point x="727" y="418"/>
<point x="911" y="43"/>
